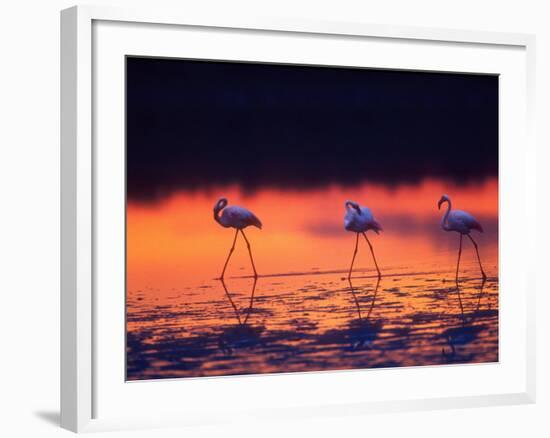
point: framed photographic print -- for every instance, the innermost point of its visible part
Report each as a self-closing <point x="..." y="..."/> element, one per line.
<point x="256" y="208"/>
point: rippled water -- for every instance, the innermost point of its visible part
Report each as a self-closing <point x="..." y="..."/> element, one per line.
<point x="314" y="321"/>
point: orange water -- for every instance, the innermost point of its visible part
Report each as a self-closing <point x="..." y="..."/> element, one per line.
<point x="303" y="314"/>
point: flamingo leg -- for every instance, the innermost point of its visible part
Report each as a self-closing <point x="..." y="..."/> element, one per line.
<point x="250" y="253"/>
<point x="354" y="254"/>
<point x="372" y="252"/>
<point x="229" y="255"/>
<point x="478" y="258"/>
<point x="458" y="261"/>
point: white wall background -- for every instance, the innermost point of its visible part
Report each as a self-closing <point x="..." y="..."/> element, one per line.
<point x="29" y="219"/>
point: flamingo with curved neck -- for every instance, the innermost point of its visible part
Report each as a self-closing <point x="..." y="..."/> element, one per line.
<point x="238" y="218"/>
<point x="359" y="220"/>
<point x="463" y="223"/>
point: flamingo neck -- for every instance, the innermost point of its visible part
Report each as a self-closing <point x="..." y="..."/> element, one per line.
<point x="217" y="217"/>
<point x="445" y="216"/>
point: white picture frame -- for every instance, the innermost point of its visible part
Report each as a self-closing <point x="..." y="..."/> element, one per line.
<point x="83" y="371"/>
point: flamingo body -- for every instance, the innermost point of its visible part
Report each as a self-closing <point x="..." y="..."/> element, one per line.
<point x="360" y="219"/>
<point x="462" y="222"/>
<point x="238" y="217"/>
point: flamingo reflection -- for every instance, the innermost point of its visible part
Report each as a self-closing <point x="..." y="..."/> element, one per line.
<point x="235" y="309"/>
<point x="241" y="335"/>
<point x="362" y="332"/>
<point x="467" y="332"/>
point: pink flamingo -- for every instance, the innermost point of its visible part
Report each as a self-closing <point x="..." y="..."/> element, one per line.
<point x="238" y="218"/>
<point x="461" y="222"/>
<point x="359" y="220"/>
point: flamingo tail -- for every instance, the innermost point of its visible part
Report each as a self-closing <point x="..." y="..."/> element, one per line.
<point x="477" y="226"/>
<point x="256" y="222"/>
<point x="376" y="227"/>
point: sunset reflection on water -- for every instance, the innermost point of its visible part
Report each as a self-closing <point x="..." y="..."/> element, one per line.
<point x="303" y="315"/>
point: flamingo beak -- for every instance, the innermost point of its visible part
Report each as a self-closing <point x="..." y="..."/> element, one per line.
<point x="439" y="203"/>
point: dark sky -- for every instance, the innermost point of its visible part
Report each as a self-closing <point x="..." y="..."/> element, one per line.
<point x="194" y="125"/>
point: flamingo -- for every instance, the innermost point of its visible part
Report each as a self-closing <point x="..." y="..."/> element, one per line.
<point x="238" y="218"/>
<point x="360" y="220"/>
<point x="461" y="222"/>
